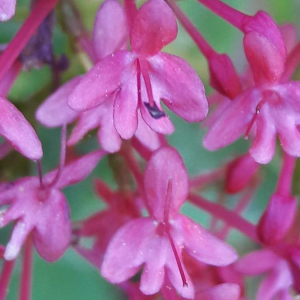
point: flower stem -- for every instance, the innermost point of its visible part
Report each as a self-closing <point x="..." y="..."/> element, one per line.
<point x="291" y="64"/>
<point x="229" y="14"/>
<point x="284" y="184"/>
<point x="36" y="17"/>
<point x="26" y="275"/>
<point x="6" y="273"/>
<point x="201" y="43"/>
<point x="9" y="78"/>
<point x="231" y="218"/>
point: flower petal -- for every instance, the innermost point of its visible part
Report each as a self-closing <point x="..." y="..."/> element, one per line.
<point x="202" y="245"/>
<point x="7" y="9"/>
<point x="125" y="107"/>
<point x="257" y="262"/>
<point x="111" y="29"/>
<point x="166" y="166"/>
<point x="154" y="27"/>
<point x="103" y="79"/>
<point x="224" y="291"/>
<point x="17" y="130"/>
<point x="76" y="171"/>
<point x="124" y="255"/>
<point x="180" y="87"/>
<point x="55" y="110"/>
<point x="52" y="233"/>
<point x="233" y="122"/>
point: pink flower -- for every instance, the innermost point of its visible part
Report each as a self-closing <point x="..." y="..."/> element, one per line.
<point x="158" y="240"/>
<point x="111" y="33"/>
<point x="141" y="77"/>
<point x="42" y="209"/>
<point x="7" y="9"/>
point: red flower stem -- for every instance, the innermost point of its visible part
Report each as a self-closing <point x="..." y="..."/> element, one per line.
<point x="137" y="174"/>
<point x="26" y="275"/>
<point x="201" y="43"/>
<point x="36" y="17"/>
<point x="9" y="79"/>
<point x="229" y="14"/>
<point x="63" y="150"/>
<point x="203" y="179"/>
<point x="291" y="63"/>
<point x="231" y="218"/>
<point x="131" y="10"/>
<point x="284" y="183"/>
<point x="6" y="273"/>
<point x="40" y="171"/>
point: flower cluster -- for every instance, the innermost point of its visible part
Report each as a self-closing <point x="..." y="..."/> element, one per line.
<point x="143" y="241"/>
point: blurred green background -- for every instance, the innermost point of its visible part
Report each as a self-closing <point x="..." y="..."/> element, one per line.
<point x="72" y="277"/>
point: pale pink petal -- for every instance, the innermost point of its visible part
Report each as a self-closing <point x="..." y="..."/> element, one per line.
<point x="202" y="245"/>
<point x="166" y="168"/>
<point x="20" y="232"/>
<point x="224" y="291"/>
<point x="146" y="136"/>
<point x="52" y="233"/>
<point x="263" y="146"/>
<point x="180" y="87"/>
<point x="103" y="79"/>
<point x="125" y="106"/>
<point x="55" y="110"/>
<point x="257" y="262"/>
<point x="17" y="130"/>
<point x="289" y="137"/>
<point x="108" y="137"/>
<point x="7" y="9"/>
<point x="111" y="29"/>
<point x="233" y="122"/>
<point x="87" y="120"/>
<point x="124" y="255"/>
<point x="154" y="27"/>
<point x="76" y="171"/>
<point x="280" y="278"/>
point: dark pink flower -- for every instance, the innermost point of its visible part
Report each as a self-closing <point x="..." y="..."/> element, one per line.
<point x="42" y="209"/>
<point x="7" y="9"/>
<point x="143" y="76"/>
<point x="157" y="241"/>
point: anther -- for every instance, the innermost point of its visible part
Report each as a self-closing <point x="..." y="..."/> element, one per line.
<point x="154" y="111"/>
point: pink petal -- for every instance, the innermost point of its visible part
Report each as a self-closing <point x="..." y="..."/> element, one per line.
<point x="181" y="89"/>
<point x="103" y="79"/>
<point x="125" y="106"/>
<point x="202" y="245"/>
<point x="263" y="147"/>
<point x="166" y="166"/>
<point x="233" y="122"/>
<point x="76" y="171"/>
<point x="17" y="130"/>
<point x="20" y="232"/>
<point x="52" y="233"/>
<point x="55" y="110"/>
<point x="154" y="27"/>
<point x="223" y="76"/>
<point x="111" y="29"/>
<point x="7" y="9"/>
<point x="224" y="291"/>
<point x="124" y="255"/>
<point x="279" y="279"/>
<point x="264" y="48"/>
<point x="277" y="219"/>
<point x="87" y="120"/>
<point x="289" y="35"/>
<point x="257" y="262"/>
